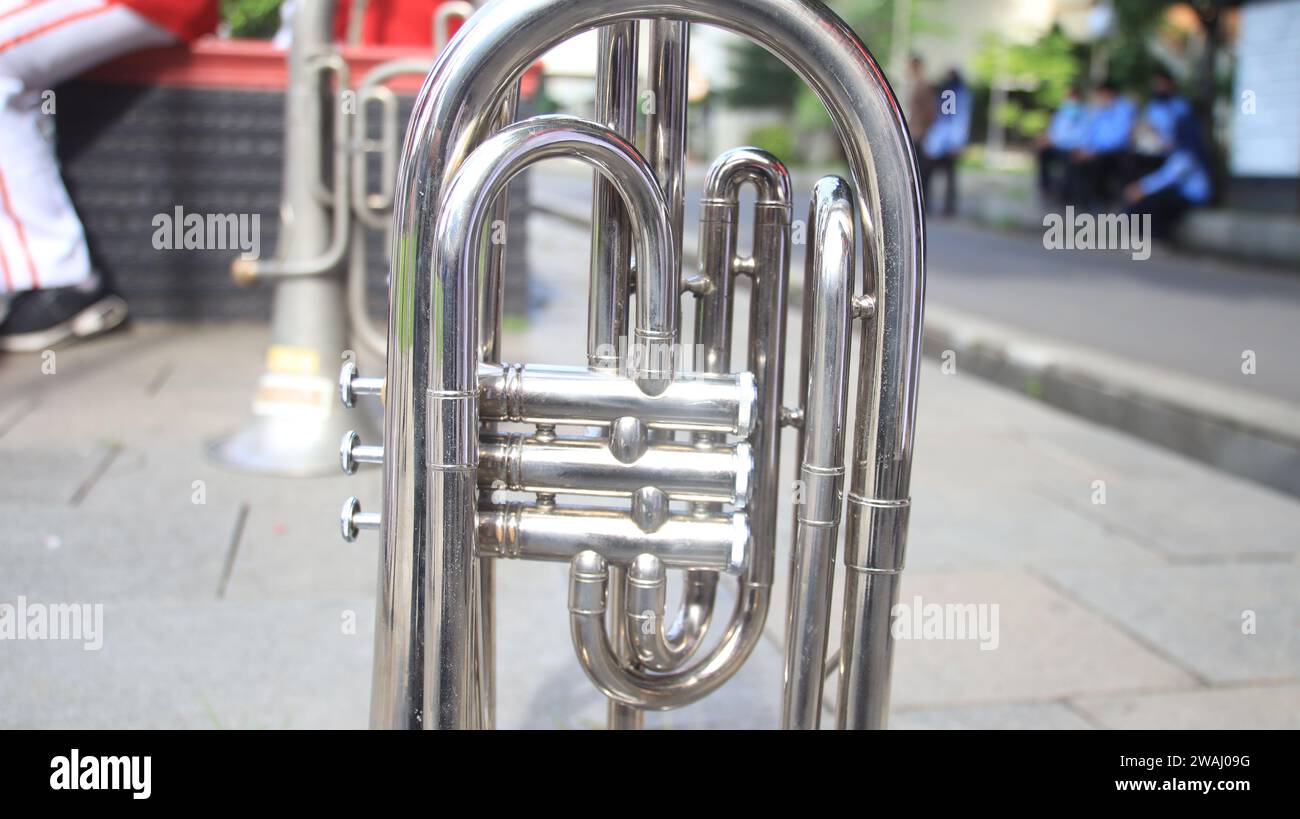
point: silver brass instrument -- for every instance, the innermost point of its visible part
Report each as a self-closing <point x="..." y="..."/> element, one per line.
<point x="689" y="450"/>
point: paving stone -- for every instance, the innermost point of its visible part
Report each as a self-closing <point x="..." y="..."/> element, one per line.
<point x="1247" y="707"/>
<point x="291" y="546"/>
<point x="1048" y="647"/>
<point x="1013" y="717"/>
<point x="50" y="475"/>
<point x="59" y="554"/>
<point x="198" y="665"/>
<point x="1198" y="517"/>
<point x="1196" y="614"/>
<point x="982" y="526"/>
<point x="1176" y="506"/>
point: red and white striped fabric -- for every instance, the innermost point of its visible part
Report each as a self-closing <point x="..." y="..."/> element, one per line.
<point x="186" y="19"/>
<point x="43" y="43"/>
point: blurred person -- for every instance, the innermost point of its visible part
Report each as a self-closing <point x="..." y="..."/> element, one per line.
<point x="1155" y="132"/>
<point x="1097" y="165"/>
<point x="946" y="139"/>
<point x="1182" y="181"/>
<point x="1064" y="135"/>
<point x="922" y="103"/>
<point x="53" y="291"/>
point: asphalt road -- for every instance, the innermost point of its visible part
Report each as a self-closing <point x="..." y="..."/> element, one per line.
<point x="1195" y="315"/>
<point x="1191" y="314"/>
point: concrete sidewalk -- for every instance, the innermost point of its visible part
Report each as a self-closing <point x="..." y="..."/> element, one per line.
<point x="247" y="610"/>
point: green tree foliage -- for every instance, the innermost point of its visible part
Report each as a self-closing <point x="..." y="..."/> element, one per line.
<point x="873" y="20"/>
<point x="1129" y="60"/>
<point x="252" y="18"/>
<point x="1137" y="20"/>
<point x="1050" y="65"/>
<point x="1043" y="70"/>
<point x="777" y="140"/>
<point x="761" y="80"/>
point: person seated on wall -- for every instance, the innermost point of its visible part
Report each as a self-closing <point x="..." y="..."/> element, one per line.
<point x="1096" y="167"/>
<point x="1064" y="134"/>
<point x="47" y="283"/>
<point x="1182" y="181"/>
<point x="1154" y="133"/>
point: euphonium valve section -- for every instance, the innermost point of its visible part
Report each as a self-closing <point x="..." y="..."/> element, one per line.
<point x="644" y="461"/>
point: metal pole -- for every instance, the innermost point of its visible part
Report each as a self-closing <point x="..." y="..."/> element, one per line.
<point x="611" y="260"/>
<point x="296" y="423"/>
<point x="827" y="334"/>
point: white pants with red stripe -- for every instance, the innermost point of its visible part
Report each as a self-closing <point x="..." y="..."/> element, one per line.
<point x="43" y="43"/>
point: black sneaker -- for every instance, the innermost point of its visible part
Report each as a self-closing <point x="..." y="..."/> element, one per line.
<point x="40" y="319"/>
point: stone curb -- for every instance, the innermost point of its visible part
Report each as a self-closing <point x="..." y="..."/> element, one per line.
<point x="1241" y="432"/>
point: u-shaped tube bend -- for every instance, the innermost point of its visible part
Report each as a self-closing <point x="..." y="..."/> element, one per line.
<point x="588" y="582"/>
<point x="483" y="176"/>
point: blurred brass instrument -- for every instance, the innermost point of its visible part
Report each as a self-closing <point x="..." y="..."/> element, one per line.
<point x="688" y="449"/>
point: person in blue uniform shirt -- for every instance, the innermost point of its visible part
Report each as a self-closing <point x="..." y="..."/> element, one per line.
<point x="1096" y="166"/>
<point x="1063" y="135"/>
<point x="946" y="139"/>
<point x="1182" y="181"/>
<point x="1154" y="134"/>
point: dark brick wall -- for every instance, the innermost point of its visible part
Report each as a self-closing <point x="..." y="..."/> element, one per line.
<point x="131" y="152"/>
